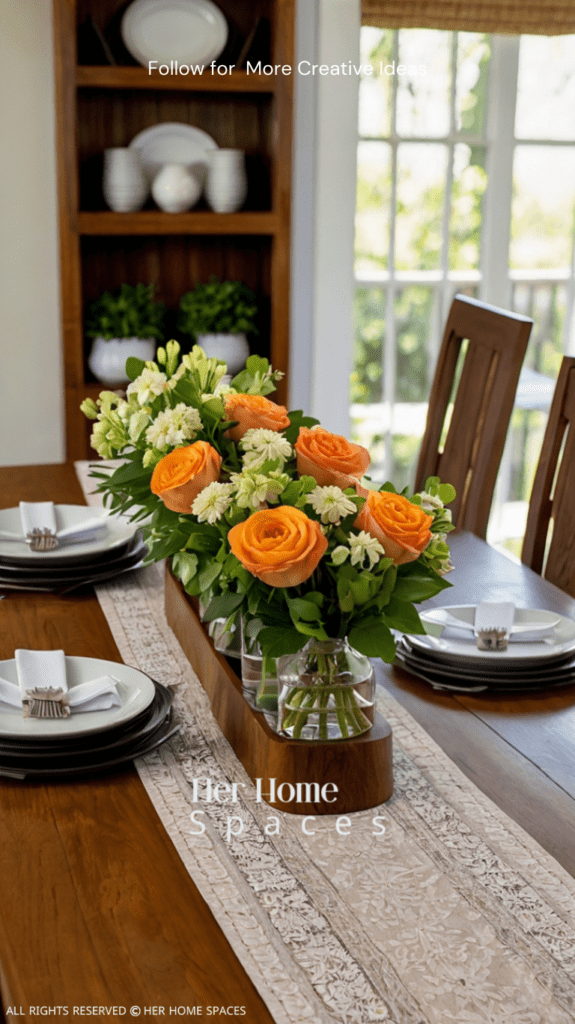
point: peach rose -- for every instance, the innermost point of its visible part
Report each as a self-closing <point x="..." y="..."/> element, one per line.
<point x="401" y="528"/>
<point x="180" y="476"/>
<point x="253" y="411"/>
<point x="329" y="458"/>
<point x="280" y="546"/>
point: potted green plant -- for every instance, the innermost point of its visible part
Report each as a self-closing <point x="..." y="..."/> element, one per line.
<point x="123" y="324"/>
<point x="218" y="316"/>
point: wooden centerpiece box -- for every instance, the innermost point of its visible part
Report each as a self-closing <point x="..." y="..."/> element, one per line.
<point x="360" y="770"/>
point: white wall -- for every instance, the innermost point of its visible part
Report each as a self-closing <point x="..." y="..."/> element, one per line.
<point x="324" y="209"/>
<point x="31" y="404"/>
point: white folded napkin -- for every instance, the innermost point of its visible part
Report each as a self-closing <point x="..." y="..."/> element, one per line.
<point x="48" y="669"/>
<point x="488" y="614"/>
<point x="41" y="515"/>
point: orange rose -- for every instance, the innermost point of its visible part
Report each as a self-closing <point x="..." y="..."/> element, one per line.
<point x="280" y="546"/>
<point x="401" y="528"/>
<point x="254" y="411"/>
<point x="180" y="476"/>
<point x="329" y="458"/>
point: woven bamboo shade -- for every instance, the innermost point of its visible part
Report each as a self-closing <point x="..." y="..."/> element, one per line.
<point x="511" y="17"/>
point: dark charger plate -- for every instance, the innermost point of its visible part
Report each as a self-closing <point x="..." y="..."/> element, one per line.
<point x="97" y="752"/>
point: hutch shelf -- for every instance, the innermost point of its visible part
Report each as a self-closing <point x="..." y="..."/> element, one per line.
<point x="99" y="107"/>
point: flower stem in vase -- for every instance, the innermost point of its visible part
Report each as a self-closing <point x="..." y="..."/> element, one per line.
<point x="325" y="691"/>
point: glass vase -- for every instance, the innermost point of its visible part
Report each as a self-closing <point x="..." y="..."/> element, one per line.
<point x="326" y="692"/>
<point x="259" y="678"/>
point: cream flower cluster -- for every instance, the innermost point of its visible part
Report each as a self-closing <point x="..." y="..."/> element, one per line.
<point x="254" y="490"/>
<point x="361" y="545"/>
<point x="149" y="384"/>
<point x="331" y="504"/>
<point x="174" y="426"/>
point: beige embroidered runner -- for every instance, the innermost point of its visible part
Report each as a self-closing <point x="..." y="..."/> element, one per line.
<point x="434" y="908"/>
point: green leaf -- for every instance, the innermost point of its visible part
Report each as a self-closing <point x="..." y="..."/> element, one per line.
<point x="209" y="575"/>
<point x="297" y="420"/>
<point x="387" y="586"/>
<point x="134" y="367"/>
<point x="222" y="606"/>
<point x="373" y="638"/>
<point x="403" y="616"/>
<point x="316" y="631"/>
<point x="300" y="608"/>
<point x="446" y="493"/>
<point x="184" y="566"/>
<point x="344" y="594"/>
<point x="277" y="640"/>
<point x="418" y="588"/>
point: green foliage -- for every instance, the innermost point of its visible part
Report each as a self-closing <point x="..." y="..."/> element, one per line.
<point x="131" y="313"/>
<point x="257" y="377"/>
<point x="227" y="307"/>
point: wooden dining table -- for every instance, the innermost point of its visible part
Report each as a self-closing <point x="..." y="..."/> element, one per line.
<point x="96" y="907"/>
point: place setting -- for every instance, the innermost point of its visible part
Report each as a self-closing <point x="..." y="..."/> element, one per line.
<point x="48" y="547"/>
<point x="62" y="715"/>
<point x="491" y="646"/>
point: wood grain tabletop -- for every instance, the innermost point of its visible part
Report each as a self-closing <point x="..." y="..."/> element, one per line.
<point x="96" y="908"/>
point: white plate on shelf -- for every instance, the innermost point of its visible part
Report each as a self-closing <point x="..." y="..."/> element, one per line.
<point x="435" y="646"/>
<point x="135" y="689"/>
<point x="189" y="31"/>
<point x="173" y="143"/>
<point x="119" y="532"/>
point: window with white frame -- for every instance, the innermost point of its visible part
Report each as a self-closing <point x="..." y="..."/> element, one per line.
<point x="466" y="183"/>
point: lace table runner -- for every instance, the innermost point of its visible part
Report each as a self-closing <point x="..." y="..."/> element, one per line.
<point x="442" y="910"/>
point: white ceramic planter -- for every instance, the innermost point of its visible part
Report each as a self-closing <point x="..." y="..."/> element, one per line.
<point x="232" y="348"/>
<point x="107" y="359"/>
<point x="176" y="189"/>
<point x="226" y="185"/>
<point x="125" y="187"/>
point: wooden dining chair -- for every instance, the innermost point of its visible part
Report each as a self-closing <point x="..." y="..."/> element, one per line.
<point x="552" y="500"/>
<point x="476" y="418"/>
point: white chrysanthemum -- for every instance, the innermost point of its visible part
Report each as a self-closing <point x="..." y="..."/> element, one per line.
<point x="331" y="504"/>
<point x="261" y="445"/>
<point x="174" y="426"/>
<point x="149" y="383"/>
<point x="211" y="503"/>
<point x="363" y="544"/>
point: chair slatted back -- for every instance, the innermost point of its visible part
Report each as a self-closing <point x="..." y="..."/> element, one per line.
<point x="555" y="504"/>
<point x="481" y="409"/>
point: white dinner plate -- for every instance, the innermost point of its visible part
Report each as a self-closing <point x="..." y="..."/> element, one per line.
<point x="189" y="31"/>
<point x="136" y="691"/>
<point x="119" y="531"/>
<point x="435" y="646"/>
<point x="173" y="143"/>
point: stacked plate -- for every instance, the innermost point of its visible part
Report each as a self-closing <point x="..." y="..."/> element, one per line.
<point x="113" y="550"/>
<point x="448" y="658"/>
<point x="92" y="741"/>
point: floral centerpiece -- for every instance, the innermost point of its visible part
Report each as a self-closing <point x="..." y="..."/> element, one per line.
<point x="267" y="514"/>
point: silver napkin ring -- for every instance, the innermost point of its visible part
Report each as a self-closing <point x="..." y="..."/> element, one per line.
<point x="46" y="702"/>
<point x="42" y="540"/>
<point x="492" y="639"/>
